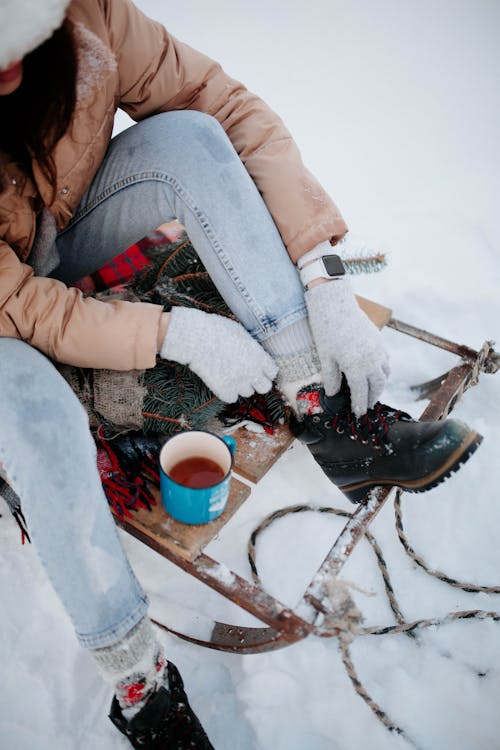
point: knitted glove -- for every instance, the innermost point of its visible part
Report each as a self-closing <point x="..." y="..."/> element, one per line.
<point x="220" y="351"/>
<point x="347" y="342"/>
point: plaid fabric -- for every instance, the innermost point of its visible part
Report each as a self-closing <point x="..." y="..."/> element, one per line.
<point x="127" y="264"/>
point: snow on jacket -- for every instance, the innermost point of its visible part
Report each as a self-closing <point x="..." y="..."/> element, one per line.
<point x="127" y="60"/>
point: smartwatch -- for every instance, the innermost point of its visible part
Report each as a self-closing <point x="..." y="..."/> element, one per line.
<point x="326" y="267"/>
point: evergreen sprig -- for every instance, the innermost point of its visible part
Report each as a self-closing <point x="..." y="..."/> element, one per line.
<point x="176" y="399"/>
<point x="176" y="276"/>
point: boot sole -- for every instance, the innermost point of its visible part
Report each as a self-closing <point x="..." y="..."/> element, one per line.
<point x="357" y="493"/>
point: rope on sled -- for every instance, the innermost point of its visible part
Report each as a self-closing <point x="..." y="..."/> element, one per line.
<point x="345" y="616"/>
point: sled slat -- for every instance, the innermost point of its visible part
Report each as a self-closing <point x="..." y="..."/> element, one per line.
<point x="256" y="452"/>
<point x="185" y="540"/>
<point x="378" y="314"/>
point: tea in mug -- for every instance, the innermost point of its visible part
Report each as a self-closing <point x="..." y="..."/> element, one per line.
<point x="196" y="472"/>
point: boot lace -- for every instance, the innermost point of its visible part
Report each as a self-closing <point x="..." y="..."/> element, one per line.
<point x="372" y="427"/>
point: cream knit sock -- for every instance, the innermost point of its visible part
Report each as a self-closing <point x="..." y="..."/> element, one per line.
<point x="135" y="666"/>
<point x="294" y="352"/>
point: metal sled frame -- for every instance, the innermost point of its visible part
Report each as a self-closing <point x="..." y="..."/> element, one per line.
<point x="282" y="625"/>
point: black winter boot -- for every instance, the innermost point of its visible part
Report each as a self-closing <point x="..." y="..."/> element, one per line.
<point x="167" y="721"/>
<point x="383" y="447"/>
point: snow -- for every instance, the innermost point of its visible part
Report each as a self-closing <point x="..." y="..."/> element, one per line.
<point x="395" y="107"/>
<point x="223" y="574"/>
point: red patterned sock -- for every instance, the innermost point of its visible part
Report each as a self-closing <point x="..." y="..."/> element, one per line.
<point x="308" y="402"/>
<point x="134" y="690"/>
<point x="135" y="666"/>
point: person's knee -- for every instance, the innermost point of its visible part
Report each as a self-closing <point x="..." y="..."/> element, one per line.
<point x="35" y="400"/>
<point x="188" y="121"/>
<point x="192" y="133"/>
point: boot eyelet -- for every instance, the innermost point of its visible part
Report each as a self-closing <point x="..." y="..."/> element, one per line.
<point x="353" y="437"/>
<point x="365" y="442"/>
<point x="328" y="424"/>
<point x="316" y="419"/>
<point x="339" y="431"/>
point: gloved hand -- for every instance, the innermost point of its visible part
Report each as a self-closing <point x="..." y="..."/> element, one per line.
<point x="220" y="351"/>
<point x="347" y="342"/>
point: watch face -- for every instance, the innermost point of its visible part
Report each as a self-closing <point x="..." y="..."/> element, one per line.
<point x="333" y="265"/>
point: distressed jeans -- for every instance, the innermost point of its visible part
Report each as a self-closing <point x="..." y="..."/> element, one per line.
<point x="174" y="165"/>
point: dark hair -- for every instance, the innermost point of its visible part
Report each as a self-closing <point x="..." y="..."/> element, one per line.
<point x="35" y="116"/>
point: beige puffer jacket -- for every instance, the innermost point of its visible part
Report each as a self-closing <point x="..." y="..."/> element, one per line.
<point x="139" y="67"/>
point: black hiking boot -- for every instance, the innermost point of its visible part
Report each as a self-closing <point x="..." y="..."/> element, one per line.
<point x="383" y="447"/>
<point x="167" y="721"/>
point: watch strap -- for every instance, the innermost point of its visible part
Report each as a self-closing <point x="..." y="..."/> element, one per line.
<point x="317" y="270"/>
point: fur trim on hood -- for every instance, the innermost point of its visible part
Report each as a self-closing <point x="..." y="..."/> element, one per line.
<point x="24" y="24"/>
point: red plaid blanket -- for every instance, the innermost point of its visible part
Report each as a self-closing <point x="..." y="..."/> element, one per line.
<point x="124" y="266"/>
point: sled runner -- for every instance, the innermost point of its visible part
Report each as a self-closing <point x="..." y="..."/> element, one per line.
<point x="256" y="453"/>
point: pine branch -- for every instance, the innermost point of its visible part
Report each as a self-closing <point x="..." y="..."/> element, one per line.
<point x="176" y="399"/>
<point x="365" y="263"/>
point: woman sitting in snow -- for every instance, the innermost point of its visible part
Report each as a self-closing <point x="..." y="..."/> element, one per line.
<point x="214" y="156"/>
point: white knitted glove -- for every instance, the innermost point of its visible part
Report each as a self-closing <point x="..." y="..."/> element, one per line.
<point x="347" y="342"/>
<point x="220" y="351"/>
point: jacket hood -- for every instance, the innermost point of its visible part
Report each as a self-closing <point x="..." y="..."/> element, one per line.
<point x="24" y="24"/>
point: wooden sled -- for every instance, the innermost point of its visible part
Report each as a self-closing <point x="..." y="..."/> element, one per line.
<point x="256" y="453"/>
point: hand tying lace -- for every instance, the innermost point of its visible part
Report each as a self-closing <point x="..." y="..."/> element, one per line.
<point x="347" y="342"/>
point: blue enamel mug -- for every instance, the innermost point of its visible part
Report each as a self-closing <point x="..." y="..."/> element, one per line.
<point x="200" y="504"/>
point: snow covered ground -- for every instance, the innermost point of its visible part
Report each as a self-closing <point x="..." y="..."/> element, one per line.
<point x="395" y="106"/>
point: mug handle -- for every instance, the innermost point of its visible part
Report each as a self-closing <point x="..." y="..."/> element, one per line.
<point x="230" y="442"/>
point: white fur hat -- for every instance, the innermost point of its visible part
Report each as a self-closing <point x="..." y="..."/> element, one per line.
<point x="24" y="24"/>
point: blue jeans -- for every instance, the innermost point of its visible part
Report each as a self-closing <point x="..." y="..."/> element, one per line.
<point x="182" y="165"/>
<point x="175" y="165"/>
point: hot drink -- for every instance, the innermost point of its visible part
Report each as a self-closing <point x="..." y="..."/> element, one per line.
<point x="195" y="475"/>
<point x="196" y="472"/>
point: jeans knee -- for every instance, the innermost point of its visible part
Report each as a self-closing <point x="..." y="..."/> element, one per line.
<point x="191" y="132"/>
<point x="35" y="400"/>
<point x="185" y="120"/>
